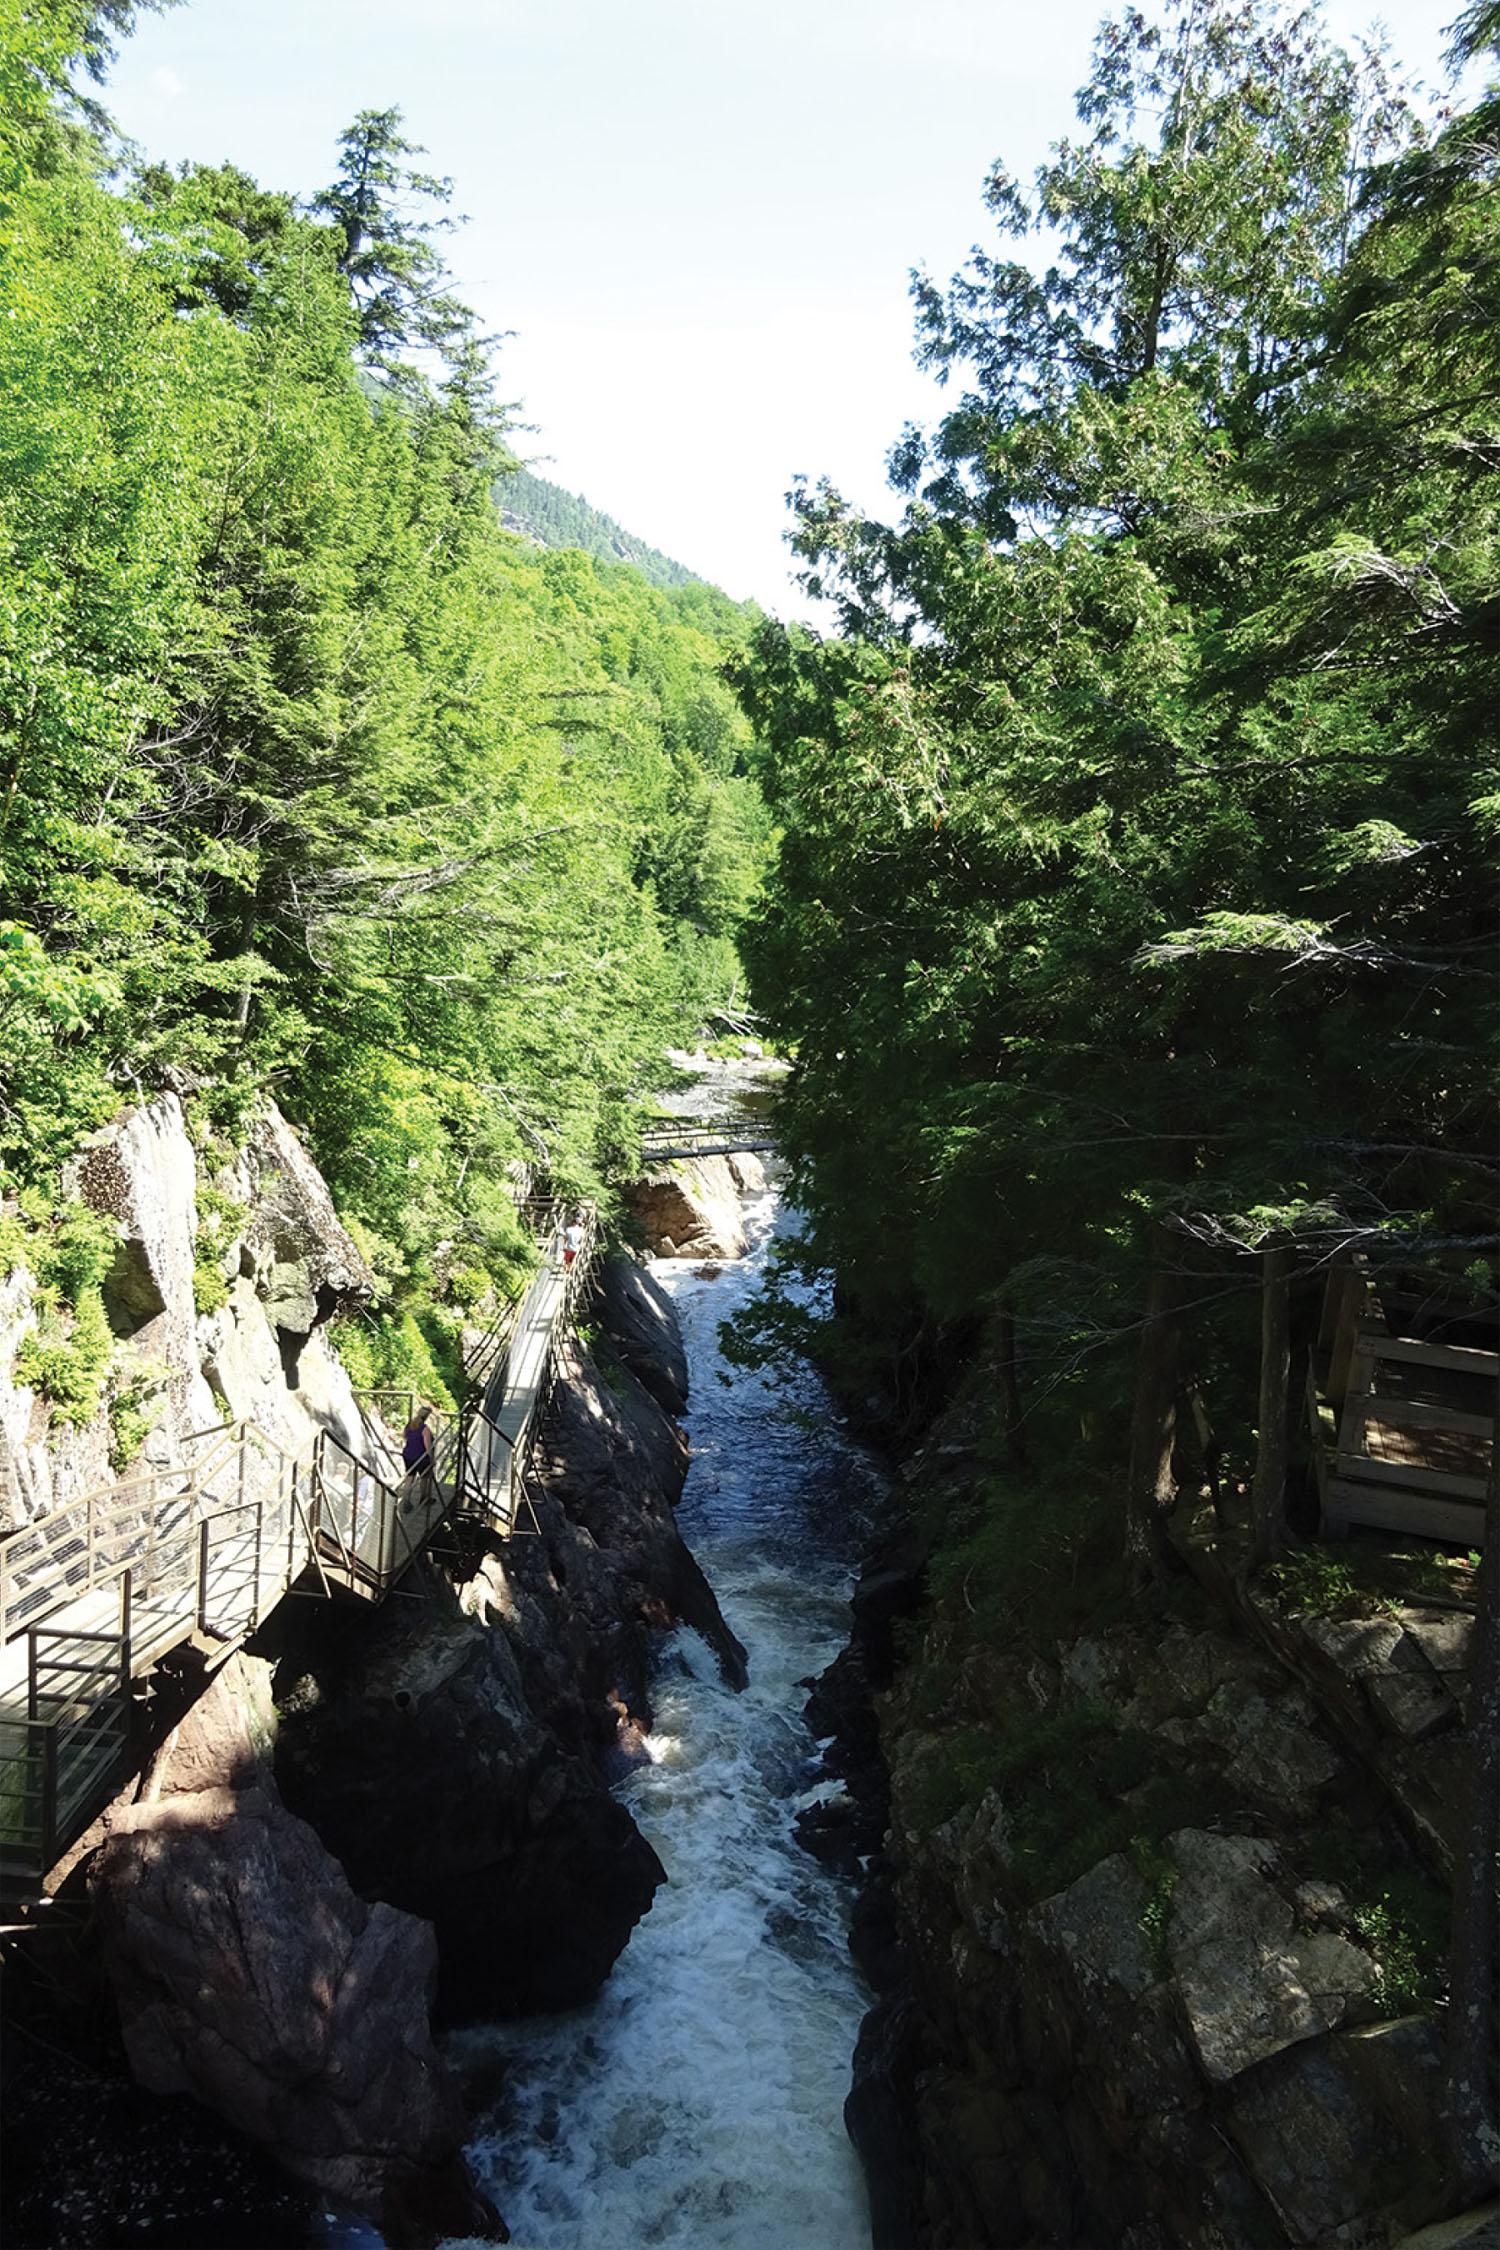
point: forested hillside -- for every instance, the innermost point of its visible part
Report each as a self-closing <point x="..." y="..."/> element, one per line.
<point x="313" y="778"/>
<point x="1135" y="926"/>
<point x="554" y="518"/>
<point x="1135" y="917"/>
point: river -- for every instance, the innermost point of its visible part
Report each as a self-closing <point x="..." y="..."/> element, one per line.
<point x="698" y="2099"/>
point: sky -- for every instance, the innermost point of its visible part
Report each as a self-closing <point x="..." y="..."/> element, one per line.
<point x="696" y="218"/>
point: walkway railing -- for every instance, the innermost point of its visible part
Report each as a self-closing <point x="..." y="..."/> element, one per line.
<point x="92" y="1595"/>
<point x="662" y="1143"/>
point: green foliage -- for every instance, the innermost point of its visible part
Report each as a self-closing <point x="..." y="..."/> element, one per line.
<point x="1315" y="1582"/>
<point x="311" y="774"/>
<point x="973" y="1760"/>
<point x="221" y="1217"/>
<point x="392" y="1351"/>
<point x="1159" y="1871"/>
<point x="69" y="1354"/>
<point x="1134" y="896"/>
<point x="1405" y="1925"/>
<point x="133" y="1414"/>
<point x="1400" y="1913"/>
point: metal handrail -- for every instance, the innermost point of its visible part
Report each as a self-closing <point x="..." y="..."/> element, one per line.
<point x="176" y="1536"/>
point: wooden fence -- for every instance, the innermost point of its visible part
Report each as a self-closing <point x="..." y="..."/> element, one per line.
<point x="1403" y="1428"/>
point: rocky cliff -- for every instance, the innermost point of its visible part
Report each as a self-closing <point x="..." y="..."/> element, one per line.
<point x="1154" y="1933"/>
<point x="690" y="1207"/>
<point x="373" y="1819"/>
<point x="275" y="1255"/>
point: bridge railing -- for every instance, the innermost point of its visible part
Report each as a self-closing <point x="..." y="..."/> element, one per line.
<point x="662" y="1142"/>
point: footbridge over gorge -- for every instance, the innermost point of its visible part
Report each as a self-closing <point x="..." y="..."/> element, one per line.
<point x="679" y="1142"/>
<point x="95" y="1594"/>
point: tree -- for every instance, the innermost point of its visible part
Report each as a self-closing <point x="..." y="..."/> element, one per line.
<point x="1135" y="865"/>
<point x="397" y="276"/>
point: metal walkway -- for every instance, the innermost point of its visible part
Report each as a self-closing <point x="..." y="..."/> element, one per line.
<point x="92" y="1596"/>
<point x="664" y="1143"/>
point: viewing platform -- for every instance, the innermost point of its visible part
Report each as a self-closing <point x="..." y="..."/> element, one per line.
<point x="1401" y="1402"/>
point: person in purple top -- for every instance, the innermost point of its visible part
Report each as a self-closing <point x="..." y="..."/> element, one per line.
<point x="416" y="1452"/>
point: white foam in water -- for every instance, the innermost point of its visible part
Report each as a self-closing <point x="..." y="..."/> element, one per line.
<point x="698" y="2101"/>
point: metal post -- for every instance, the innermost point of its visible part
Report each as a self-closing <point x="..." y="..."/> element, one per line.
<point x="203" y="1576"/>
<point x="49" y="1798"/>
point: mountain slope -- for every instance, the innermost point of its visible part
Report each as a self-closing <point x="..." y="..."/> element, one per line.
<point x="553" y="518"/>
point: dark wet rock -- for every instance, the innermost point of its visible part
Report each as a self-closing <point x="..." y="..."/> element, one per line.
<point x="879" y="2115"/>
<point x="1316" y="2143"/>
<point x="454" y="1748"/>
<point x="891" y="1586"/>
<point x="640" y="1321"/>
<point x="248" y="1974"/>
<point x="837" y="1834"/>
<point x="424" y="1761"/>
<point x="615" y="1466"/>
<point x="875" y="1936"/>
<point x="428" y="1770"/>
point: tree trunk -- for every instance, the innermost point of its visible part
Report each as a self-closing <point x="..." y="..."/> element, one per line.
<point x="1015" y="1442"/>
<point x="1268" y="1503"/>
<point x="1209" y="1447"/>
<point x="247" y="942"/>
<point x="1473" y="2126"/>
<point x="1153" y="1425"/>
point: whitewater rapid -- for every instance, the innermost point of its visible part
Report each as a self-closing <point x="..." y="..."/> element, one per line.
<point x="698" y="2099"/>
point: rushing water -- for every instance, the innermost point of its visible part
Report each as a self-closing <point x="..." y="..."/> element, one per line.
<point x="698" y="2100"/>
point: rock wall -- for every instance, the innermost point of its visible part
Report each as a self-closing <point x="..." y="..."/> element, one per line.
<point x="1186" y="2043"/>
<point x="455" y="1749"/>
<point x="419" y="1824"/>
<point x="288" y="1269"/>
<point x="249" y="1974"/>
<point x="690" y="1208"/>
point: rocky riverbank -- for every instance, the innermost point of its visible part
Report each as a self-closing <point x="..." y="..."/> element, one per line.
<point x="1154" y="1940"/>
<point x="373" y="1821"/>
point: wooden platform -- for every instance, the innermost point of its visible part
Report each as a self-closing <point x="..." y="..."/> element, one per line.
<point x="1403" y="1427"/>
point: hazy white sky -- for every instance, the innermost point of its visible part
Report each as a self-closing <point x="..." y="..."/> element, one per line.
<point x="697" y="216"/>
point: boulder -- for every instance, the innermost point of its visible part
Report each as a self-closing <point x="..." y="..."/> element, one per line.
<point x="305" y="1261"/>
<point x="249" y="1975"/>
<point x="141" y="1171"/>
<point x="1251" y="1982"/>
<point x="692" y="1205"/>
<point x="640" y="1321"/>
<point x="615" y="1467"/>
<point x="880" y="2117"/>
<point x="420" y="1757"/>
<point x="1318" y="2127"/>
<point x="1098" y="1924"/>
<point x="1277" y="1752"/>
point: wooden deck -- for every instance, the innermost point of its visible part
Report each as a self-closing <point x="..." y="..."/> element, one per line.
<point x="1403" y="1426"/>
